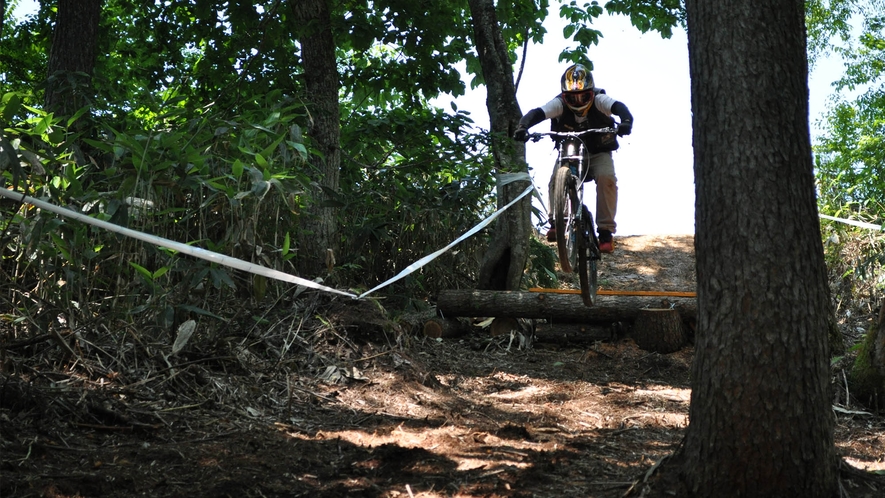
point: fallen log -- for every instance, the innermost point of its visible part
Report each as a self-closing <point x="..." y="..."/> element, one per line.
<point x="562" y="308"/>
<point x="573" y="333"/>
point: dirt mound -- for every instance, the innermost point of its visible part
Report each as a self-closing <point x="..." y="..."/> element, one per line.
<point x="650" y="262"/>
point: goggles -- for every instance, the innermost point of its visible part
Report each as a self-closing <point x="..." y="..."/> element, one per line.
<point x="578" y="99"/>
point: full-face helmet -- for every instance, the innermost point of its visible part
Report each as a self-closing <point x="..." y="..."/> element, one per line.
<point x="577" y="88"/>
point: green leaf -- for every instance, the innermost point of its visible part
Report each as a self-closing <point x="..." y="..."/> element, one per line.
<point x="269" y="150"/>
<point x="12" y="104"/>
<point x="199" y="311"/>
<point x="56" y="136"/>
<point x="80" y="112"/>
<point x="286" y="242"/>
<point x="298" y="146"/>
<point x="144" y="272"/>
<point x="160" y="272"/>
<point x="220" y="277"/>
<point x="61" y="245"/>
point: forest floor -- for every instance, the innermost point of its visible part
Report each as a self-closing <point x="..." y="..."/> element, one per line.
<point x="360" y="403"/>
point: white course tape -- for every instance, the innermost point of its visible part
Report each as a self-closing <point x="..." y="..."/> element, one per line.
<point x="177" y="246"/>
<point x="430" y="257"/>
<point x="505" y="178"/>
<point x="852" y="222"/>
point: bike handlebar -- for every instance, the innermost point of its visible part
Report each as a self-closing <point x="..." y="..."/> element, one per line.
<point x="534" y="137"/>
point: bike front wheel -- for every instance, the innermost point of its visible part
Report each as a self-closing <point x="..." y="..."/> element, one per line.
<point x="588" y="255"/>
<point x="565" y="209"/>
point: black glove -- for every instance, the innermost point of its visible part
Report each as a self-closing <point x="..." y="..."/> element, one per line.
<point x="625" y="127"/>
<point x="521" y="134"/>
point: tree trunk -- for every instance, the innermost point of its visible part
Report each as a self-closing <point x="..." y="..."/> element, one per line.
<point x="761" y="424"/>
<point x="868" y="372"/>
<point x="561" y="308"/>
<point x="72" y="56"/>
<point x="503" y="265"/>
<point x="322" y="84"/>
<point x="879" y="344"/>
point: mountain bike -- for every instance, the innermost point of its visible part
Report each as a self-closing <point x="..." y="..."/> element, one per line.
<point x="576" y="239"/>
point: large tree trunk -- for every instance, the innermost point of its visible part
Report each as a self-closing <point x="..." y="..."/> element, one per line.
<point x="504" y="263"/>
<point x="761" y="424"/>
<point x="72" y="56"/>
<point x="322" y="84"/>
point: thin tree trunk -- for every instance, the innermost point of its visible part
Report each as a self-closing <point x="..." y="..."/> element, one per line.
<point x="868" y="372"/>
<point x="761" y="424"/>
<point x="322" y="84"/>
<point x="504" y="263"/>
<point x="72" y="56"/>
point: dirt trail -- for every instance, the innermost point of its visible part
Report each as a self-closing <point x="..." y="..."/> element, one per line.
<point x="375" y="410"/>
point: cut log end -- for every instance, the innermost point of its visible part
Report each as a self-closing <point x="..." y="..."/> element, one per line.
<point x="504" y="325"/>
<point x="442" y="328"/>
<point x="659" y="330"/>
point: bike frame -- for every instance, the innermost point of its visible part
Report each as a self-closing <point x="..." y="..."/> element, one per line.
<point x="571" y="153"/>
<point x="576" y="235"/>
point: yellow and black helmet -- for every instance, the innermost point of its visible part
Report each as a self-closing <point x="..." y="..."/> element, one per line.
<point x="577" y="88"/>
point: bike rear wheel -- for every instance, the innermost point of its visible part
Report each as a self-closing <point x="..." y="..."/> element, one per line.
<point x="565" y="209"/>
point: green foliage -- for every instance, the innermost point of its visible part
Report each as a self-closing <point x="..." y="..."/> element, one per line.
<point x="24" y="53"/>
<point x="522" y="22"/>
<point x="850" y="157"/>
<point x="856" y="259"/>
<point x="651" y="15"/>
<point x="850" y="154"/>
<point x="541" y="268"/>
<point x="824" y="20"/>
<point x="655" y="15"/>
<point x="402" y="51"/>
<point x="579" y="17"/>
<point x="233" y="184"/>
<point x="415" y="182"/>
<point x="213" y="51"/>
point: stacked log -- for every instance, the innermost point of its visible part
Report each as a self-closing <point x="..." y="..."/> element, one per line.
<point x="658" y="324"/>
<point x="561" y="308"/>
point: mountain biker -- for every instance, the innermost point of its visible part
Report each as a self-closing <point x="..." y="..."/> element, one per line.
<point x="581" y="106"/>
